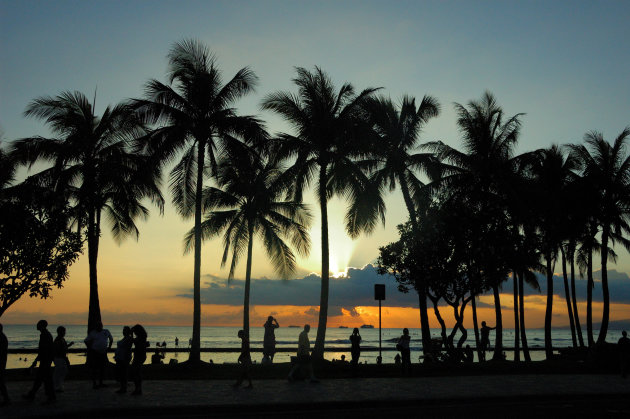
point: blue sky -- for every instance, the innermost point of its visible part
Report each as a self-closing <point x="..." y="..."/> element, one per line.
<point x="565" y="64"/>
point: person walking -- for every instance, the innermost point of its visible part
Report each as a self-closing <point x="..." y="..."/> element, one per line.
<point x="245" y="360"/>
<point x="485" y="340"/>
<point x="355" y="349"/>
<point x="4" y="350"/>
<point x="60" y="355"/>
<point x="98" y="342"/>
<point x="140" y="345"/>
<point x="303" y="356"/>
<point x="269" y="341"/>
<point x="45" y="358"/>
<point x="405" y="351"/>
<point x="122" y="356"/>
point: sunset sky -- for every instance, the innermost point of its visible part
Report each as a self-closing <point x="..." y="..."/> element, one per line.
<point x="565" y="64"/>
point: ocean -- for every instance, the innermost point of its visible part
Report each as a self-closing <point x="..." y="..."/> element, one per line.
<point x="337" y="342"/>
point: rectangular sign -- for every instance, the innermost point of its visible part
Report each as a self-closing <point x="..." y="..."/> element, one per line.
<point x="379" y="291"/>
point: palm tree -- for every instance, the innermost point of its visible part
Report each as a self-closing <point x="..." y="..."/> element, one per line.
<point x="607" y="167"/>
<point x="331" y="133"/>
<point x="250" y="204"/>
<point x="398" y="132"/>
<point x="552" y="176"/>
<point x="194" y="121"/>
<point x="484" y="170"/>
<point x="93" y="165"/>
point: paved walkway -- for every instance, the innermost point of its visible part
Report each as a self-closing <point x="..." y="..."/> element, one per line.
<point x="161" y="397"/>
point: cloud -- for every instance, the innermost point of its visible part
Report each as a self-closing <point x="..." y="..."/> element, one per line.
<point x="354" y="289"/>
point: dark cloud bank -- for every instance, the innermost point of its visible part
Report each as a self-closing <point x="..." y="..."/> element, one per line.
<point x="357" y="289"/>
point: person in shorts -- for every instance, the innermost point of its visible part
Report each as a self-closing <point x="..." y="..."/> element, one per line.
<point x="304" y="356"/>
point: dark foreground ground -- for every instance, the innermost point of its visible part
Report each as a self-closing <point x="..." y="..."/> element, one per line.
<point x="521" y="396"/>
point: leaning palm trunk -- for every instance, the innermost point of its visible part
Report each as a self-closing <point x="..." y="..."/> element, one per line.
<point x="248" y="276"/>
<point x="498" y="345"/>
<point x="568" y="297"/>
<point x="318" y="350"/>
<point x="517" y="351"/>
<point x="522" y="319"/>
<point x="548" y="311"/>
<point x="476" y="326"/>
<point x="589" y="298"/>
<point x="424" y="316"/>
<point x="576" y="316"/>
<point x="606" y="310"/>
<point x="93" y="233"/>
<point x="195" y="347"/>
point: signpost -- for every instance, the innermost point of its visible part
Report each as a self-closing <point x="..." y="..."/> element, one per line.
<point x="379" y="294"/>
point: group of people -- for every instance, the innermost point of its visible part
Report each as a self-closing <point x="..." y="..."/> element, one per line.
<point x="98" y="342"/>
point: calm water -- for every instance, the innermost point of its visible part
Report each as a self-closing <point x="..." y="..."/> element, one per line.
<point x="286" y="337"/>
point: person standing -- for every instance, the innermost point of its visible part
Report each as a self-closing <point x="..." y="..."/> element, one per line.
<point x="245" y="360"/>
<point x="303" y="355"/>
<point x="405" y="351"/>
<point x="624" y="353"/>
<point x="485" y="339"/>
<point x="4" y="349"/>
<point x="140" y="345"/>
<point x="45" y="358"/>
<point x="98" y="342"/>
<point x="355" y="349"/>
<point x="122" y="356"/>
<point x="60" y="349"/>
<point x="269" y="341"/>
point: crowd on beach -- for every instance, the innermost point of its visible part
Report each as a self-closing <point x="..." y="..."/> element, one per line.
<point x="131" y="353"/>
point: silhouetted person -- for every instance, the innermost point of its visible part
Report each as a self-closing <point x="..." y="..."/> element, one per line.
<point x="245" y="359"/>
<point x="405" y="351"/>
<point x="122" y="356"/>
<point x="4" y="349"/>
<point x="469" y="356"/>
<point x="60" y="356"/>
<point x="303" y="355"/>
<point x="355" y="349"/>
<point x="98" y="341"/>
<point x="140" y="345"/>
<point x="269" y="342"/>
<point x="45" y="358"/>
<point x="176" y="341"/>
<point x="397" y="359"/>
<point x="485" y="339"/>
<point x="624" y="353"/>
<point x="156" y="358"/>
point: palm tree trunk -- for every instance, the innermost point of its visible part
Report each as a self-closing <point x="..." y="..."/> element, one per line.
<point x="576" y="317"/>
<point x="195" y="347"/>
<point x="548" y="311"/>
<point x="438" y="316"/>
<point x="589" y="298"/>
<point x="476" y="326"/>
<point x="424" y="316"/>
<point x="498" y="340"/>
<point x="318" y="351"/>
<point x="606" y="311"/>
<point x="521" y="297"/>
<point x="424" y="323"/>
<point x="517" y="351"/>
<point x="94" y="310"/>
<point x="248" y="276"/>
<point x="568" y="297"/>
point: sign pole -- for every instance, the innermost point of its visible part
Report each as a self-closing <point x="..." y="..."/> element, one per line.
<point x="379" y="294"/>
<point x="379" y="329"/>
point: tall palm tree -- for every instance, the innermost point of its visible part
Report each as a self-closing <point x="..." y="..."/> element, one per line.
<point x="607" y="167"/>
<point x="483" y="171"/>
<point x="195" y="120"/>
<point x="396" y="164"/>
<point x="248" y="202"/>
<point x="94" y="166"/>
<point x="331" y="133"/>
<point x="552" y="176"/>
